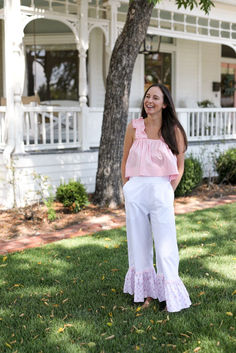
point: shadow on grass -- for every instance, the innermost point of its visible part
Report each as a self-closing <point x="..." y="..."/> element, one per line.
<point x="67" y="296"/>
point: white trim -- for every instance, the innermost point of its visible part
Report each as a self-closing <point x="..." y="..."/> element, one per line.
<point x="199" y="83"/>
<point x="50" y="38"/>
<point x="228" y="60"/>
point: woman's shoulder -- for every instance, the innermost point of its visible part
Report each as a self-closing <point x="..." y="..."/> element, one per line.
<point x="137" y="122"/>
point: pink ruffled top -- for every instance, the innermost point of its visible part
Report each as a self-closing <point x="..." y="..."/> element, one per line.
<point x="149" y="157"/>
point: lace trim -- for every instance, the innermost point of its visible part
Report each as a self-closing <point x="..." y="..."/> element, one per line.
<point x="141" y="284"/>
<point x="149" y="284"/>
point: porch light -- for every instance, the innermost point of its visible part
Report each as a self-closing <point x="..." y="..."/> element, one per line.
<point x="148" y="46"/>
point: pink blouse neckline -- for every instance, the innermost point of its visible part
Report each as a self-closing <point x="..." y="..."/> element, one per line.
<point x="144" y="127"/>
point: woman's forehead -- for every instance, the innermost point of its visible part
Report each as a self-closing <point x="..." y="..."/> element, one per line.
<point x="155" y="91"/>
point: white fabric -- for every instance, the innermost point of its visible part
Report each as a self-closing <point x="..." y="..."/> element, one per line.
<point x="150" y="215"/>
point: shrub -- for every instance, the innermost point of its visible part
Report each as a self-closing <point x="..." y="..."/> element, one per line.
<point x="206" y="104"/>
<point x="226" y="166"/>
<point x="72" y="195"/>
<point x="192" y="177"/>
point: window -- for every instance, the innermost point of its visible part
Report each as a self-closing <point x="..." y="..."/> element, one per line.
<point x="53" y="73"/>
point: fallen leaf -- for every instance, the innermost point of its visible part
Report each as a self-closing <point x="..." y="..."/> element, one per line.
<point x="113" y="290"/>
<point x="8" y="345"/>
<point x="139" y="331"/>
<point x="107" y="239"/>
<point x="114" y="269"/>
<point x="197" y="349"/>
<point x="4" y="258"/>
<point x="138" y="308"/>
<point x="234" y="292"/>
<point x="61" y="329"/>
<point x="154" y="338"/>
<point x="91" y="344"/>
<point x="103" y="277"/>
<point x="201" y="293"/>
<point x="159" y="321"/>
<point x="152" y="322"/>
<point x="109" y="324"/>
<point x="137" y="348"/>
<point x="229" y="313"/>
<point x="110" y="337"/>
<point x="184" y="334"/>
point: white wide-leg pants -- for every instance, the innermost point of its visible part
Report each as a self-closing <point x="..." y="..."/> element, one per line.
<point x="150" y="215"/>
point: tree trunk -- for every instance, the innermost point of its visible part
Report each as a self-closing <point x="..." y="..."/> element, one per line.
<point x="108" y="180"/>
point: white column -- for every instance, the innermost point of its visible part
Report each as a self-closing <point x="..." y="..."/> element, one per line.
<point x="14" y="77"/>
<point x="112" y="6"/>
<point x="183" y="119"/>
<point x="82" y="47"/>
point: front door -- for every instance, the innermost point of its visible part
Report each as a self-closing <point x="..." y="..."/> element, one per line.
<point x="158" y="69"/>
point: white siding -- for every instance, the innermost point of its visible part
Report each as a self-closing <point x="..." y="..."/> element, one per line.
<point x="137" y="85"/>
<point x="197" y="66"/>
<point x="187" y="73"/>
<point x="58" y="167"/>
<point x="95" y="69"/>
<point x="211" y="71"/>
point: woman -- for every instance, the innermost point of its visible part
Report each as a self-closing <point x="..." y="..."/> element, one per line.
<point x="152" y="167"/>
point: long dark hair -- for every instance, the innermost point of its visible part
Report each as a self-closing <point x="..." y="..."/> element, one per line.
<point x="169" y="119"/>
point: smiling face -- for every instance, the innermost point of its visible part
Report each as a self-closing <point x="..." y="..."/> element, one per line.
<point x="154" y="101"/>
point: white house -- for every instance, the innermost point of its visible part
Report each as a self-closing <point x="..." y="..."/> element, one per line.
<point x="53" y="64"/>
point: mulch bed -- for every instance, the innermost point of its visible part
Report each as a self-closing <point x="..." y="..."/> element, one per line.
<point x="32" y="220"/>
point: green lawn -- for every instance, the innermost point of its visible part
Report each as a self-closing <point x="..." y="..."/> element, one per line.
<point x="67" y="296"/>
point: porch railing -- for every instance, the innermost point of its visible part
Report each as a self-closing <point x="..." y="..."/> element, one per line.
<point x="51" y="127"/>
<point x="208" y="123"/>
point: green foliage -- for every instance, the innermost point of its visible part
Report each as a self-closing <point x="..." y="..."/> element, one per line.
<point x="72" y="195"/>
<point x="50" y="210"/>
<point x="226" y="166"/>
<point x="191" y="178"/>
<point x="205" y="5"/>
<point x="206" y="104"/>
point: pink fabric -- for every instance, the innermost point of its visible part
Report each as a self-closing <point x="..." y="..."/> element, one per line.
<point x="141" y="284"/>
<point x="149" y="157"/>
<point x="174" y="293"/>
<point x="149" y="284"/>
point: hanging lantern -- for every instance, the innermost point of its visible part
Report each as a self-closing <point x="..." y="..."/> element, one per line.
<point x="149" y="47"/>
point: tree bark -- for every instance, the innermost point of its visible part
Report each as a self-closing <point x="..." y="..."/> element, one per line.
<point x="108" y="180"/>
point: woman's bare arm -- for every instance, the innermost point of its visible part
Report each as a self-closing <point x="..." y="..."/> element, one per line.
<point x="180" y="158"/>
<point x="129" y="138"/>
